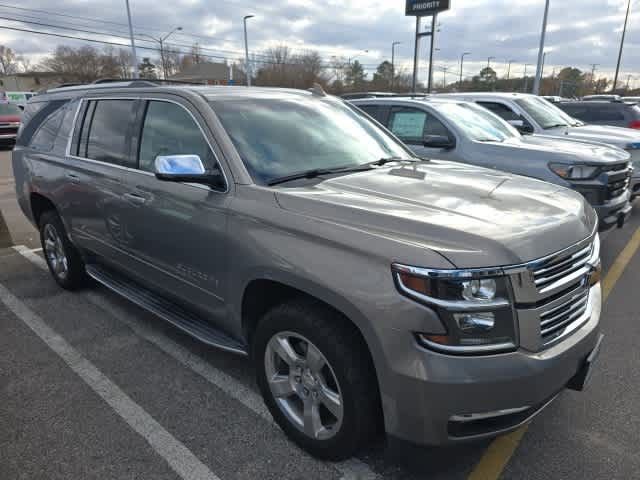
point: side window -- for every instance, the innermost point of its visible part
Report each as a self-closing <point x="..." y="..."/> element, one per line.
<point x="169" y="129"/>
<point x="378" y="112"/>
<point x="105" y="128"/>
<point x="501" y="110"/>
<point x="33" y="116"/>
<point x="411" y="125"/>
<point x="45" y="136"/>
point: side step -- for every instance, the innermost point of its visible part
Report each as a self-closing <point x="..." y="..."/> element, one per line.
<point x="165" y="309"/>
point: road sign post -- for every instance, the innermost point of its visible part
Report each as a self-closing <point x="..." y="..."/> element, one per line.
<point x="419" y="9"/>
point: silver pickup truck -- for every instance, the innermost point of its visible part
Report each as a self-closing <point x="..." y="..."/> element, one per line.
<point x="373" y="291"/>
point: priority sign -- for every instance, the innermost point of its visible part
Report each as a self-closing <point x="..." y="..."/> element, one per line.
<point x="420" y="8"/>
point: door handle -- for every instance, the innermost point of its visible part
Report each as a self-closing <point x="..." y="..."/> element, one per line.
<point x="135" y="198"/>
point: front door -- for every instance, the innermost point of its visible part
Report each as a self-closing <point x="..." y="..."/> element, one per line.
<point x="177" y="230"/>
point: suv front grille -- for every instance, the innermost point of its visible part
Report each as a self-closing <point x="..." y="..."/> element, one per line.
<point x="555" y="321"/>
<point x="558" y="270"/>
<point x="619" y="177"/>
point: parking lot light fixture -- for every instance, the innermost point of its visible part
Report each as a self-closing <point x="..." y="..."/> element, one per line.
<point x="246" y="50"/>
<point x="461" y="65"/>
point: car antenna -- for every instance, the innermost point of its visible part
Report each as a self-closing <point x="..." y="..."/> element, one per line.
<point x="318" y="90"/>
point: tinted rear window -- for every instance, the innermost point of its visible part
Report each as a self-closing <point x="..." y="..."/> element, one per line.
<point x="34" y="115"/>
<point x="105" y="129"/>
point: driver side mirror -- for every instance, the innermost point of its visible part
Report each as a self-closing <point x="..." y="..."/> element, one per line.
<point x="439" y="141"/>
<point x="521" y="126"/>
<point x="185" y="168"/>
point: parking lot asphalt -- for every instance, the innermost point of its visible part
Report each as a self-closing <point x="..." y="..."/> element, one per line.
<point x="91" y="386"/>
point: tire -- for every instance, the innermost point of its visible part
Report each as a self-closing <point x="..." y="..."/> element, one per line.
<point x="318" y="336"/>
<point x="63" y="259"/>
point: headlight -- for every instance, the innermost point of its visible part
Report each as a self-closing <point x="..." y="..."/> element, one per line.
<point x="574" y="172"/>
<point x="474" y="307"/>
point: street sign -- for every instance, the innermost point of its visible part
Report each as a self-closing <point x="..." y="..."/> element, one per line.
<point x="419" y="8"/>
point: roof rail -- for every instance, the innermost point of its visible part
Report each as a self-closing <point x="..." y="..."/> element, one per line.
<point x="118" y="83"/>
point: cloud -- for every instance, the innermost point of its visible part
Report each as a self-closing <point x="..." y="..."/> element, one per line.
<point x="579" y="33"/>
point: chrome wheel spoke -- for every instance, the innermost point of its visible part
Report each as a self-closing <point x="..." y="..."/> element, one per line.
<point x="315" y="360"/>
<point x="332" y="401"/>
<point x="285" y="351"/>
<point x="312" y="422"/>
<point x="281" y="386"/>
<point x="49" y="245"/>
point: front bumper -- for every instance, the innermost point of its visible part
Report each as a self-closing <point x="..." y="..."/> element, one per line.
<point x="436" y="395"/>
<point x="614" y="212"/>
<point x="634" y="187"/>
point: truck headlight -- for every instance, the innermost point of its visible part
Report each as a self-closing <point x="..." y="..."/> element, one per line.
<point x="574" y="172"/>
<point x="473" y="305"/>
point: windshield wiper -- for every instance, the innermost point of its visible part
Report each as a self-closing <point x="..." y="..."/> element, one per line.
<point x="316" y="172"/>
<point x="384" y="161"/>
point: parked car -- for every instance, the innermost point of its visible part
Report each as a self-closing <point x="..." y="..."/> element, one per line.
<point x="532" y="114"/>
<point x="372" y="289"/>
<point x="617" y="114"/>
<point x="354" y="95"/>
<point x="19" y="98"/>
<point x="9" y="124"/>
<point x="631" y="99"/>
<point x="461" y="131"/>
<point x="600" y="97"/>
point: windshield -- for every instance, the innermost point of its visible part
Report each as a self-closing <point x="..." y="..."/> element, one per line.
<point x="546" y="114"/>
<point x="285" y="135"/>
<point x="8" y="109"/>
<point x="476" y="122"/>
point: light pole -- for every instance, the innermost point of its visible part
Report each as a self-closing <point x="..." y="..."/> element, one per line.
<point x="461" y="65"/>
<point x="489" y="61"/>
<point x="133" y="43"/>
<point x="544" y="60"/>
<point x="536" y="84"/>
<point x="526" y="79"/>
<point x="624" y="33"/>
<point x="509" y="69"/>
<point x="161" y="41"/>
<point x="246" y="50"/>
<point x="393" y="62"/>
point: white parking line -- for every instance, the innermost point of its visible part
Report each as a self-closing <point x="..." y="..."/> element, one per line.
<point x="179" y="457"/>
<point x="352" y="469"/>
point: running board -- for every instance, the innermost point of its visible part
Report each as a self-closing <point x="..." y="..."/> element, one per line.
<point x="165" y="309"/>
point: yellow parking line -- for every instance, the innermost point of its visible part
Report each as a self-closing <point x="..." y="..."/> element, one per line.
<point x="500" y="451"/>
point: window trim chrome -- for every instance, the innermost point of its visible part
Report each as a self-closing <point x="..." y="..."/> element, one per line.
<point x="137" y="170"/>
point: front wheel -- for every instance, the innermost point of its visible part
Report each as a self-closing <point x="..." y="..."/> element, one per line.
<point x="316" y="379"/>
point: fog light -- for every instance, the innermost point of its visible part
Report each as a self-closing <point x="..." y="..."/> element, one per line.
<point x="475" y="322"/>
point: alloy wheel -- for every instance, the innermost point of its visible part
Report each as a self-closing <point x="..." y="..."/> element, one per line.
<point x="304" y="385"/>
<point x="54" y="251"/>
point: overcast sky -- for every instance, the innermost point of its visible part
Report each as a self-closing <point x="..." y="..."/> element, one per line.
<point x="581" y="32"/>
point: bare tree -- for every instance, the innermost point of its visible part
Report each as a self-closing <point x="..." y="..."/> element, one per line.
<point x="8" y="61"/>
<point x="85" y="63"/>
<point x="280" y="67"/>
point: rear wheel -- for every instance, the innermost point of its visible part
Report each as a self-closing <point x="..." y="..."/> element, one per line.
<point x="64" y="261"/>
<point x="316" y="379"/>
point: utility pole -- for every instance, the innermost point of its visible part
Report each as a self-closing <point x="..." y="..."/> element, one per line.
<point x="444" y="77"/>
<point x="133" y="43"/>
<point x="624" y="33"/>
<point x="489" y="61"/>
<point x="526" y="79"/>
<point x="246" y="50"/>
<point x="393" y="63"/>
<point x="536" y="84"/>
<point x="509" y="69"/>
<point x="416" y="55"/>
<point x="461" y="65"/>
<point x="161" y="40"/>
<point x="433" y="42"/>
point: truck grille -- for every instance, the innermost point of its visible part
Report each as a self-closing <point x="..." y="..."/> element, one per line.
<point x="554" y="322"/>
<point x="619" y="177"/>
<point x="561" y="269"/>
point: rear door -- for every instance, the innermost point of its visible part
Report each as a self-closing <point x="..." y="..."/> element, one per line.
<point x="99" y="153"/>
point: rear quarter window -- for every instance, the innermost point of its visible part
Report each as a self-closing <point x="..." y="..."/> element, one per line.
<point x="33" y="117"/>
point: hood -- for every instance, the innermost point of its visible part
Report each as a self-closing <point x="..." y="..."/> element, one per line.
<point x="581" y="151"/>
<point x="617" y="136"/>
<point x="472" y="216"/>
